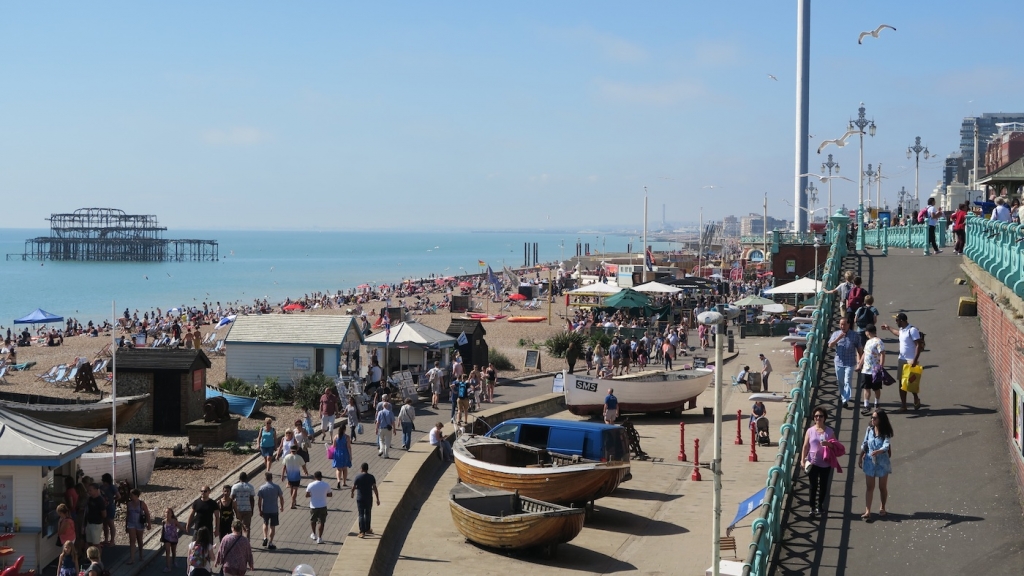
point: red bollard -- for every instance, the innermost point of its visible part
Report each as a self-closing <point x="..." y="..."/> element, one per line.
<point x="696" y="461"/>
<point x="753" y="446"/>
<point x="739" y="437"/>
<point x="682" y="442"/>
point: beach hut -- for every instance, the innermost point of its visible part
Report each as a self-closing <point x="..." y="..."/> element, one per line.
<point x="473" y="347"/>
<point x="174" y="378"/>
<point x="35" y="457"/>
<point x="412" y="346"/>
<point x="289" y="346"/>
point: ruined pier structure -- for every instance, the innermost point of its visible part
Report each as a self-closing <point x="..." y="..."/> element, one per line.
<point x="110" y="235"/>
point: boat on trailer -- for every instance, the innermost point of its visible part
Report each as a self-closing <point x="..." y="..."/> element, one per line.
<point x="645" y="392"/>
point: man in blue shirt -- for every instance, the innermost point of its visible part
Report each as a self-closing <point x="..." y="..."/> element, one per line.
<point x="847" y="345"/>
<point x="611" y="407"/>
<point x="385" y="428"/>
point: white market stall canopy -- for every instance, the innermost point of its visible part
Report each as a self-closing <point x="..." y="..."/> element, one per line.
<point x="412" y="333"/>
<point x="596" y="289"/>
<point x="25" y="441"/>
<point x="801" y="286"/>
<point x="657" y="288"/>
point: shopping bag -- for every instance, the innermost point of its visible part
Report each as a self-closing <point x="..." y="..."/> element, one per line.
<point x="359" y="428"/>
<point x="910" y="379"/>
<point x="886" y="378"/>
<point x="330" y="452"/>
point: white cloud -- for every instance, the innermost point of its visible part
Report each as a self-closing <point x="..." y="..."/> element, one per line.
<point x="667" y="93"/>
<point x="236" y="136"/>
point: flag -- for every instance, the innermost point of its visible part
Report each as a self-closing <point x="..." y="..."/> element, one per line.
<point x="462" y="341"/>
<point x="649" y="259"/>
<point x="493" y="280"/>
<point x="387" y="326"/>
<point x="481" y="263"/>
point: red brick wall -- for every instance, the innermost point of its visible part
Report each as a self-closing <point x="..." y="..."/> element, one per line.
<point x="1002" y="338"/>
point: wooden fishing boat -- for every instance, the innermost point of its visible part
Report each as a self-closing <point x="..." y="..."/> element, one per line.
<point x="485" y="317"/>
<point x="533" y="472"/>
<point x="74" y="412"/>
<point x="502" y="519"/>
<point x="646" y="392"/>
<point x="241" y="405"/>
<point x="96" y="464"/>
<point x="527" y="318"/>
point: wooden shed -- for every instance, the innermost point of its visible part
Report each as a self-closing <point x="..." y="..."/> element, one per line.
<point x="474" y="348"/>
<point x="175" y="379"/>
<point x="289" y="346"/>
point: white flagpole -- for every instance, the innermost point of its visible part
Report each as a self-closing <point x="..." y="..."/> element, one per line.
<point x="113" y="389"/>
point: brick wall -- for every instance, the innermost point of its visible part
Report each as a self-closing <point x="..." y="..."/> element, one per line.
<point x="1003" y="335"/>
<point x="136" y="384"/>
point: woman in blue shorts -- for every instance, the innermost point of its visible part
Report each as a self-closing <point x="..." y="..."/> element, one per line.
<point x="874" y="459"/>
<point x="268" y="442"/>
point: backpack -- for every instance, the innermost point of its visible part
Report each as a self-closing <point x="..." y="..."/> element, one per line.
<point x="855" y="299"/>
<point x="462" y="390"/>
<point x="861" y="316"/>
<point x="923" y="345"/>
<point x="922" y="216"/>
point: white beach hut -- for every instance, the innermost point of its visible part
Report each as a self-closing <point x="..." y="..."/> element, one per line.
<point x="35" y="457"/>
<point x="289" y="346"/>
<point x="415" y="345"/>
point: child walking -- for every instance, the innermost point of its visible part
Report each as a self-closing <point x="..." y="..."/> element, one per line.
<point x="169" y="535"/>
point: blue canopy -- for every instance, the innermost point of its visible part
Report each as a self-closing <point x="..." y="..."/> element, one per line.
<point x="748" y="506"/>
<point x="40" y="316"/>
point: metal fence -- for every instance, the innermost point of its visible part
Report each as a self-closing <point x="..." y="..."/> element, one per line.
<point x="910" y="236"/>
<point x="998" y="247"/>
<point x="767" y="527"/>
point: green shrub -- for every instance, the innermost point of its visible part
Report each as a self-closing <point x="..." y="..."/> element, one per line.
<point x="237" y="386"/>
<point x="559" y="343"/>
<point x="307" y="390"/>
<point x="500" y="361"/>
<point x="600" y="337"/>
<point x="271" y="393"/>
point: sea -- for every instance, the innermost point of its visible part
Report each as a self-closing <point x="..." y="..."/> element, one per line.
<point x="270" y="264"/>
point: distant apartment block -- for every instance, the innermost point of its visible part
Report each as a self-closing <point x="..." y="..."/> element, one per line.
<point x="753" y="224"/>
<point x="988" y="126"/>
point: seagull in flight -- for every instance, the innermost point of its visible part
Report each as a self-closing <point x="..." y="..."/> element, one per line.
<point x="840" y="142"/>
<point x="773" y="77"/>
<point x="825" y="179"/>
<point x="873" y="34"/>
<point x="712" y="187"/>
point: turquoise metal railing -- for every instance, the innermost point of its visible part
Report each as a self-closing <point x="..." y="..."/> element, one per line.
<point x="767" y="527"/>
<point x="998" y="247"/>
<point x="912" y="236"/>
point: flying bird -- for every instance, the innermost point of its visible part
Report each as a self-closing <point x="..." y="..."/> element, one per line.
<point x="840" y="142"/>
<point x="873" y="34"/>
<point x="773" y="77"/>
<point x="144" y="277"/>
<point x="824" y="178"/>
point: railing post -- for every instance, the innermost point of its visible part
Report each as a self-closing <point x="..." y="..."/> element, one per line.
<point x="940" y="233"/>
<point x="884" y="231"/>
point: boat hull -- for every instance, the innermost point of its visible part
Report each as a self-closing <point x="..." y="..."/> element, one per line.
<point x="96" y="464"/>
<point x="478" y="460"/>
<point x="660" y="392"/>
<point x="242" y="405"/>
<point x="507" y="521"/>
<point x="89" y="415"/>
<point x="527" y="318"/>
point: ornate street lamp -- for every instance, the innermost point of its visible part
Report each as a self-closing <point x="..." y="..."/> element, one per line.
<point x="829" y="165"/>
<point x="915" y="151"/>
<point x="860" y="124"/>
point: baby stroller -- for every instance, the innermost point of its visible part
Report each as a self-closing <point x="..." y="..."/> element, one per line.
<point x="761" y="425"/>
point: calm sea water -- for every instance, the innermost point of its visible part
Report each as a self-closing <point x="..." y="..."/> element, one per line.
<point x="252" y="265"/>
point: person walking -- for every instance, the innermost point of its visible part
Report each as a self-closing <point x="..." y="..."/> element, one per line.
<point x="846" y="343"/>
<point x="291" y="471"/>
<point x="352" y="416"/>
<point x="911" y="346"/>
<point x="95" y="514"/>
<point x="611" y="407"/>
<point x="204" y="511"/>
<point x="235" y="553"/>
<point x="959" y="219"/>
<point x="137" y="521"/>
<point x="870" y="364"/>
<point x="228" y="512"/>
<point x="271" y="500"/>
<point x="813" y="457"/>
<point x="328" y="411"/>
<point x="342" y="459"/>
<point x="435" y="376"/>
<point x="407" y="419"/>
<point x="109" y="493"/>
<point x="843" y="288"/>
<point x="572" y="354"/>
<point x="874" y="460"/>
<point x="491" y="379"/>
<point x="245" y="499"/>
<point x="932" y="216"/>
<point x="268" y="442"/>
<point x="766" y="370"/>
<point x="364" y="489"/>
<point x="200" y="551"/>
<point x="318" y="492"/>
<point x="385" y="427"/>
<point x="866" y="315"/>
<point x="462" y="391"/>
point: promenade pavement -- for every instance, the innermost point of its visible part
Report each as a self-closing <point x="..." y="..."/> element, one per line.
<point x="659" y="522"/>
<point x="953" y="505"/>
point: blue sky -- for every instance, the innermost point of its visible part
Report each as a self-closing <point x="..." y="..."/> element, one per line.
<point x="448" y="115"/>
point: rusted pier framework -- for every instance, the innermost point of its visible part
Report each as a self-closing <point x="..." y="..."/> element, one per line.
<point x="110" y="235"/>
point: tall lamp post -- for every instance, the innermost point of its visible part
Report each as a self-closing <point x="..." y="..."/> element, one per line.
<point x="870" y="175"/>
<point x="903" y="196"/>
<point x="812" y="201"/>
<point x="718" y="320"/>
<point x="861" y="123"/>
<point x="829" y="165"/>
<point x="915" y="151"/>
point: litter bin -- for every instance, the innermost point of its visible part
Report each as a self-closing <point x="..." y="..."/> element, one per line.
<point x="798" y="352"/>
<point x="731" y="341"/>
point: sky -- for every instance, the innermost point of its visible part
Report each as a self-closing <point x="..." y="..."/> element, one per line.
<point x="471" y="115"/>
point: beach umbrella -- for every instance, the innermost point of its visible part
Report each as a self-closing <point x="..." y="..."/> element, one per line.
<point x="226" y="320"/>
<point x="517" y="296"/>
<point x="295" y="306"/>
<point x="465" y="284"/>
<point x="628" y="298"/>
<point x="440" y="281"/>
<point x="362" y="287"/>
<point x="779" y="308"/>
<point x="753" y="301"/>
